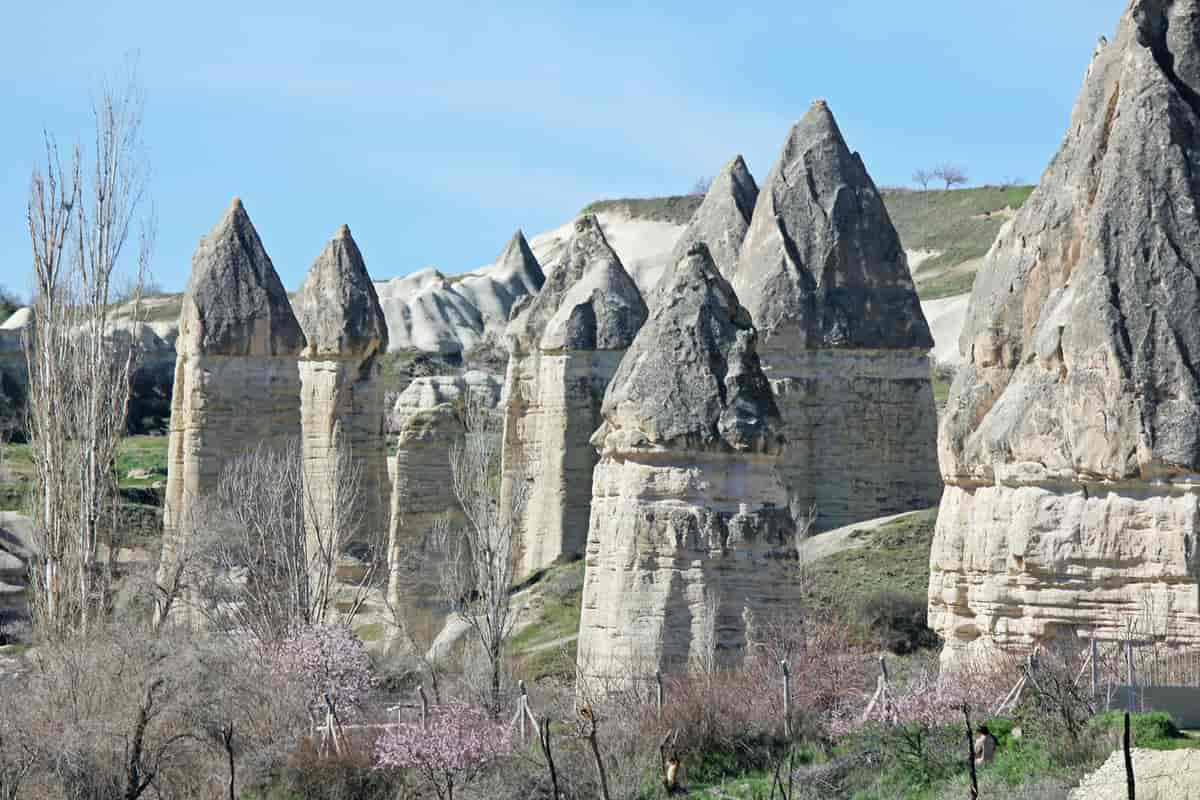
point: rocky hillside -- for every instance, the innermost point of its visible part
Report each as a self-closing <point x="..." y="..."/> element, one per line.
<point x="437" y="317"/>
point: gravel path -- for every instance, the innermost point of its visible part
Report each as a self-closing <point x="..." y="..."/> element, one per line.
<point x="1159" y="775"/>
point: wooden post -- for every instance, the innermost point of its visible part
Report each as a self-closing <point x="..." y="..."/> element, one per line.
<point x="424" y="707"/>
<point x="974" y="795"/>
<point x="523" y="711"/>
<point x="1129" y="783"/>
<point x="787" y="698"/>
<point x="658" y="693"/>
<point x="1095" y="667"/>
<point x="1130" y="676"/>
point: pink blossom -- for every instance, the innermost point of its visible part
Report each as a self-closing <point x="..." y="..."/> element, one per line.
<point x="458" y="741"/>
<point x="328" y="659"/>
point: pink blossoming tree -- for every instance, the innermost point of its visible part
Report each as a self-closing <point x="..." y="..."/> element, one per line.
<point x="457" y="743"/>
<point x="328" y="659"/>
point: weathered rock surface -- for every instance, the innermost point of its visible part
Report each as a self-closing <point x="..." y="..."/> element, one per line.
<point x="429" y="392"/>
<point x="723" y="218"/>
<point x="1071" y="441"/>
<point x="237" y="383"/>
<point x="423" y="493"/>
<point x="430" y="312"/>
<point x="690" y="544"/>
<point x="428" y="418"/>
<point x="342" y="406"/>
<point x="16" y="550"/>
<point x="565" y="344"/>
<point x="843" y="338"/>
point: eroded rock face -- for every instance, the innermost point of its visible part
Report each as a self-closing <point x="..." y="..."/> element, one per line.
<point x="690" y="549"/>
<point x="342" y="406"/>
<point x="236" y="378"/>
<point x="843" y="339"/>
<point x="565" y="344"/>
<point x="428" y="417"/>
<point x="428" y="311"/>
<point x="1071" y="441"/>
<point x="423" y="493"/>
<point x="723" y="218"/>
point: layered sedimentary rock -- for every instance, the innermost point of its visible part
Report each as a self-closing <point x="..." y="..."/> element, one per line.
<point x="564" y="344"/>
<point x="342" y="407"/>
<point x="427" y="417"/>
<point x="690" y="550"/>
<point x="1071" y="441"/>
<point x="723" y="218"/>
<point x="237" y="383"/>
<point x="843" y="339"/>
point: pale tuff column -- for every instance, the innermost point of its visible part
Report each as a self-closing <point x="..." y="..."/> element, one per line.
<point x="346" y="512"/>
<point x="564" y="346"/>
<point x="236" y="380"/>
<point x="844" y="342"/>
<point x="690" y="536"/>
<point x="1070" y="444"/>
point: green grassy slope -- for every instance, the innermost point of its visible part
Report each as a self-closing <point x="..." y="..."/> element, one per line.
<point x="677" y="209"/>
<point x="960" y="225"/>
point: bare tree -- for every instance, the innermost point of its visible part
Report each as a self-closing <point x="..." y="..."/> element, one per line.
<point x="81" y="217"/>
<point x="477" y="577"/>
<point x="951" y="175"/>
<point x="269" y="544"/>
<point x="923" y="177"/>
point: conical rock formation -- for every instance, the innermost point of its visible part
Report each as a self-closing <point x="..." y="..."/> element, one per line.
<point x="1071" y="441"/>
<point x="565" y="344"/>
<point x="236" y="379"/>
<point x="342" y="410"/>
<point x="687" y="555"/>
<point x="843" y="339"/>
<point x="723" y="218"/>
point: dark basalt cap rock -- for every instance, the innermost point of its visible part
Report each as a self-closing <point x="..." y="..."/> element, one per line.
<point x="1082" y="337"/>
<point x="337" y="306"/>
<point x="821" y="261"/>
<point x="517" y="268"/>
<point x="588" y="301"/>
<point x="692" y="378"/>
<point x="723" y="217"/>
<point x="235" y="304"/>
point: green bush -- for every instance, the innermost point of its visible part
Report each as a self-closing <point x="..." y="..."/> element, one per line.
<point x="897" y="620"/>
<point x="1155" y="730"/>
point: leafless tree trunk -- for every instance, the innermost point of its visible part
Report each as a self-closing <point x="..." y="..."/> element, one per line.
<point x="80" y="219"/>
<point x="480" y="567"/>
<point x="269" y="545"/>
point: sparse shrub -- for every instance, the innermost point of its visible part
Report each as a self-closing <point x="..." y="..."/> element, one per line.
<point x="897" y="621"/>
<point x="350" y="775"/>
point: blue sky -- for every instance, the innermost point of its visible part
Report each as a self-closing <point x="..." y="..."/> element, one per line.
<point x="435" y="129"/>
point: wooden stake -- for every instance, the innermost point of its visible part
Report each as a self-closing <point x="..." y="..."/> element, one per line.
<point x="1129" y="783"/>
<point x="974" y="795"/>
<point x="658" y="693"/>
<point x="787" y="698"/>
